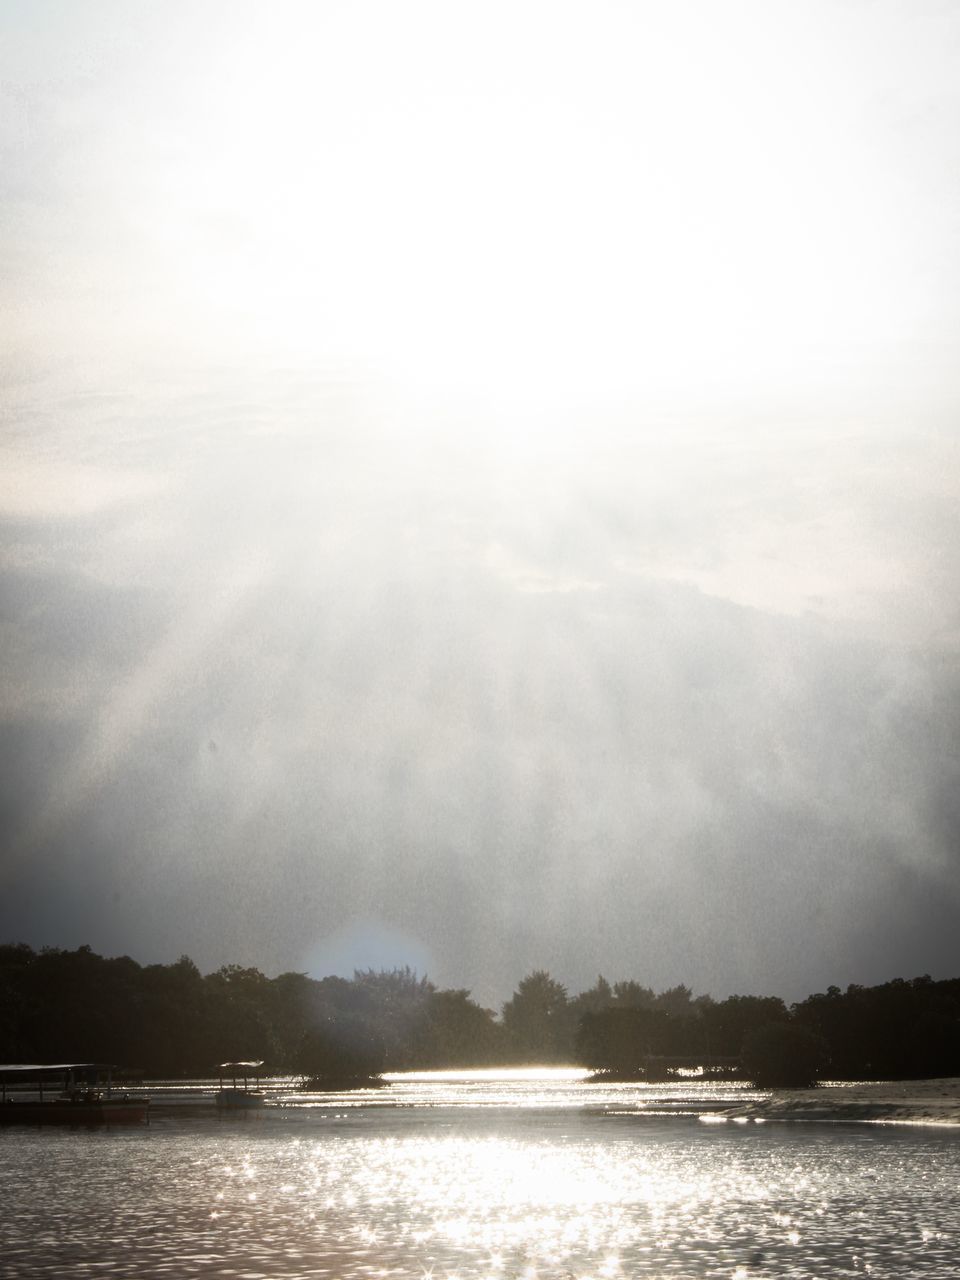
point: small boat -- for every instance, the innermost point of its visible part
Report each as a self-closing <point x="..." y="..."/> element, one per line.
<point x="65" y="1093"/>
<point x="237" y="1097"/>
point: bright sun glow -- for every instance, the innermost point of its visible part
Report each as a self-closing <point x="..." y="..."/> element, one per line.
<point x="533" y="218"/>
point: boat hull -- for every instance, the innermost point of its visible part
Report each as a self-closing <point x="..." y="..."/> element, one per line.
<point x="105" y="1111"/>
<point x="239" y="1100"/>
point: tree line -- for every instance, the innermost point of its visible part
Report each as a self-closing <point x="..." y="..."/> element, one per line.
<point x="169" y="1020"/>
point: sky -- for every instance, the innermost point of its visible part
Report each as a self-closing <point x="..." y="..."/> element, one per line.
<point x="479" y="488"/>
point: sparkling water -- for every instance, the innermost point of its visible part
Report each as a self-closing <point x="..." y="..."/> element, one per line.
<point x="495" y="1176"/>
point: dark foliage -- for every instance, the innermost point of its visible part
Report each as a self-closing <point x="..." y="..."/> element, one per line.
<point x="622" y="1040"/>
<point x="785" y="1055"/>
<point x="536" y="1020"/>
<point x="901" y="1030"/>
<point x="170" y="1020"/>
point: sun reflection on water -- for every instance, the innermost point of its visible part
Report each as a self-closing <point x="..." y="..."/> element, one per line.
<point x="480" y="1205"/>
<point x="484" y="1194"/>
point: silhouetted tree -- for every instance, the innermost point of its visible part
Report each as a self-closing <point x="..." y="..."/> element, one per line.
<point x="631" y="995"/>
<point x="621" y="1040"/>
<point x="396" y="1001"/>
<point x="536" y="1021"/>
<point x="887" y="1032"/>
<point x="456" y="1032"/>
<point x="238" y="1012"/>
<point x="293" y="1007"/>
<point x="170" y="1020"/>
<point x="341" y="1050"/>
<point x="595" y="998"/>
<point x="176" y="1034"/>
<point x="79" y="1005"/>
<point x="784" y="1054"/>
<point x="676" y="1002"/>
<point x="727" y="1023"/>
<point x="15" y="1043"/>
<point x="935" y="1043"/>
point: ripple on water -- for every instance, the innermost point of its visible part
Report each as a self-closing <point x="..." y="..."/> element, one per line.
<point x="576" y="1195"/>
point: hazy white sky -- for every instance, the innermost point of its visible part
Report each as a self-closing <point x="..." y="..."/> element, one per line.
<point x="695" y="197"/>
<point x="469" y="471"/>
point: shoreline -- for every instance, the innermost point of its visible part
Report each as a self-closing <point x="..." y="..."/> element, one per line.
<point x="932" y="1102"/>
<point x="926" y="1102"/>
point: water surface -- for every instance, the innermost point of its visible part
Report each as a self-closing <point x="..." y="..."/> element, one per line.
<point x="529" y="1182"/>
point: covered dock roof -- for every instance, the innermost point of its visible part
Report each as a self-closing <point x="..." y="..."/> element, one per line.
<point x="42" y="1068"/>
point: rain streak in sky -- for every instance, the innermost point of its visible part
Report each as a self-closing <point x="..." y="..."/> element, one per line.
<point x="480" y="488"/>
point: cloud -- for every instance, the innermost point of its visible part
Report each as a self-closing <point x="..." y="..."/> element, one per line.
<point x="31" y="488"/>
<point x="377" y="721"/>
